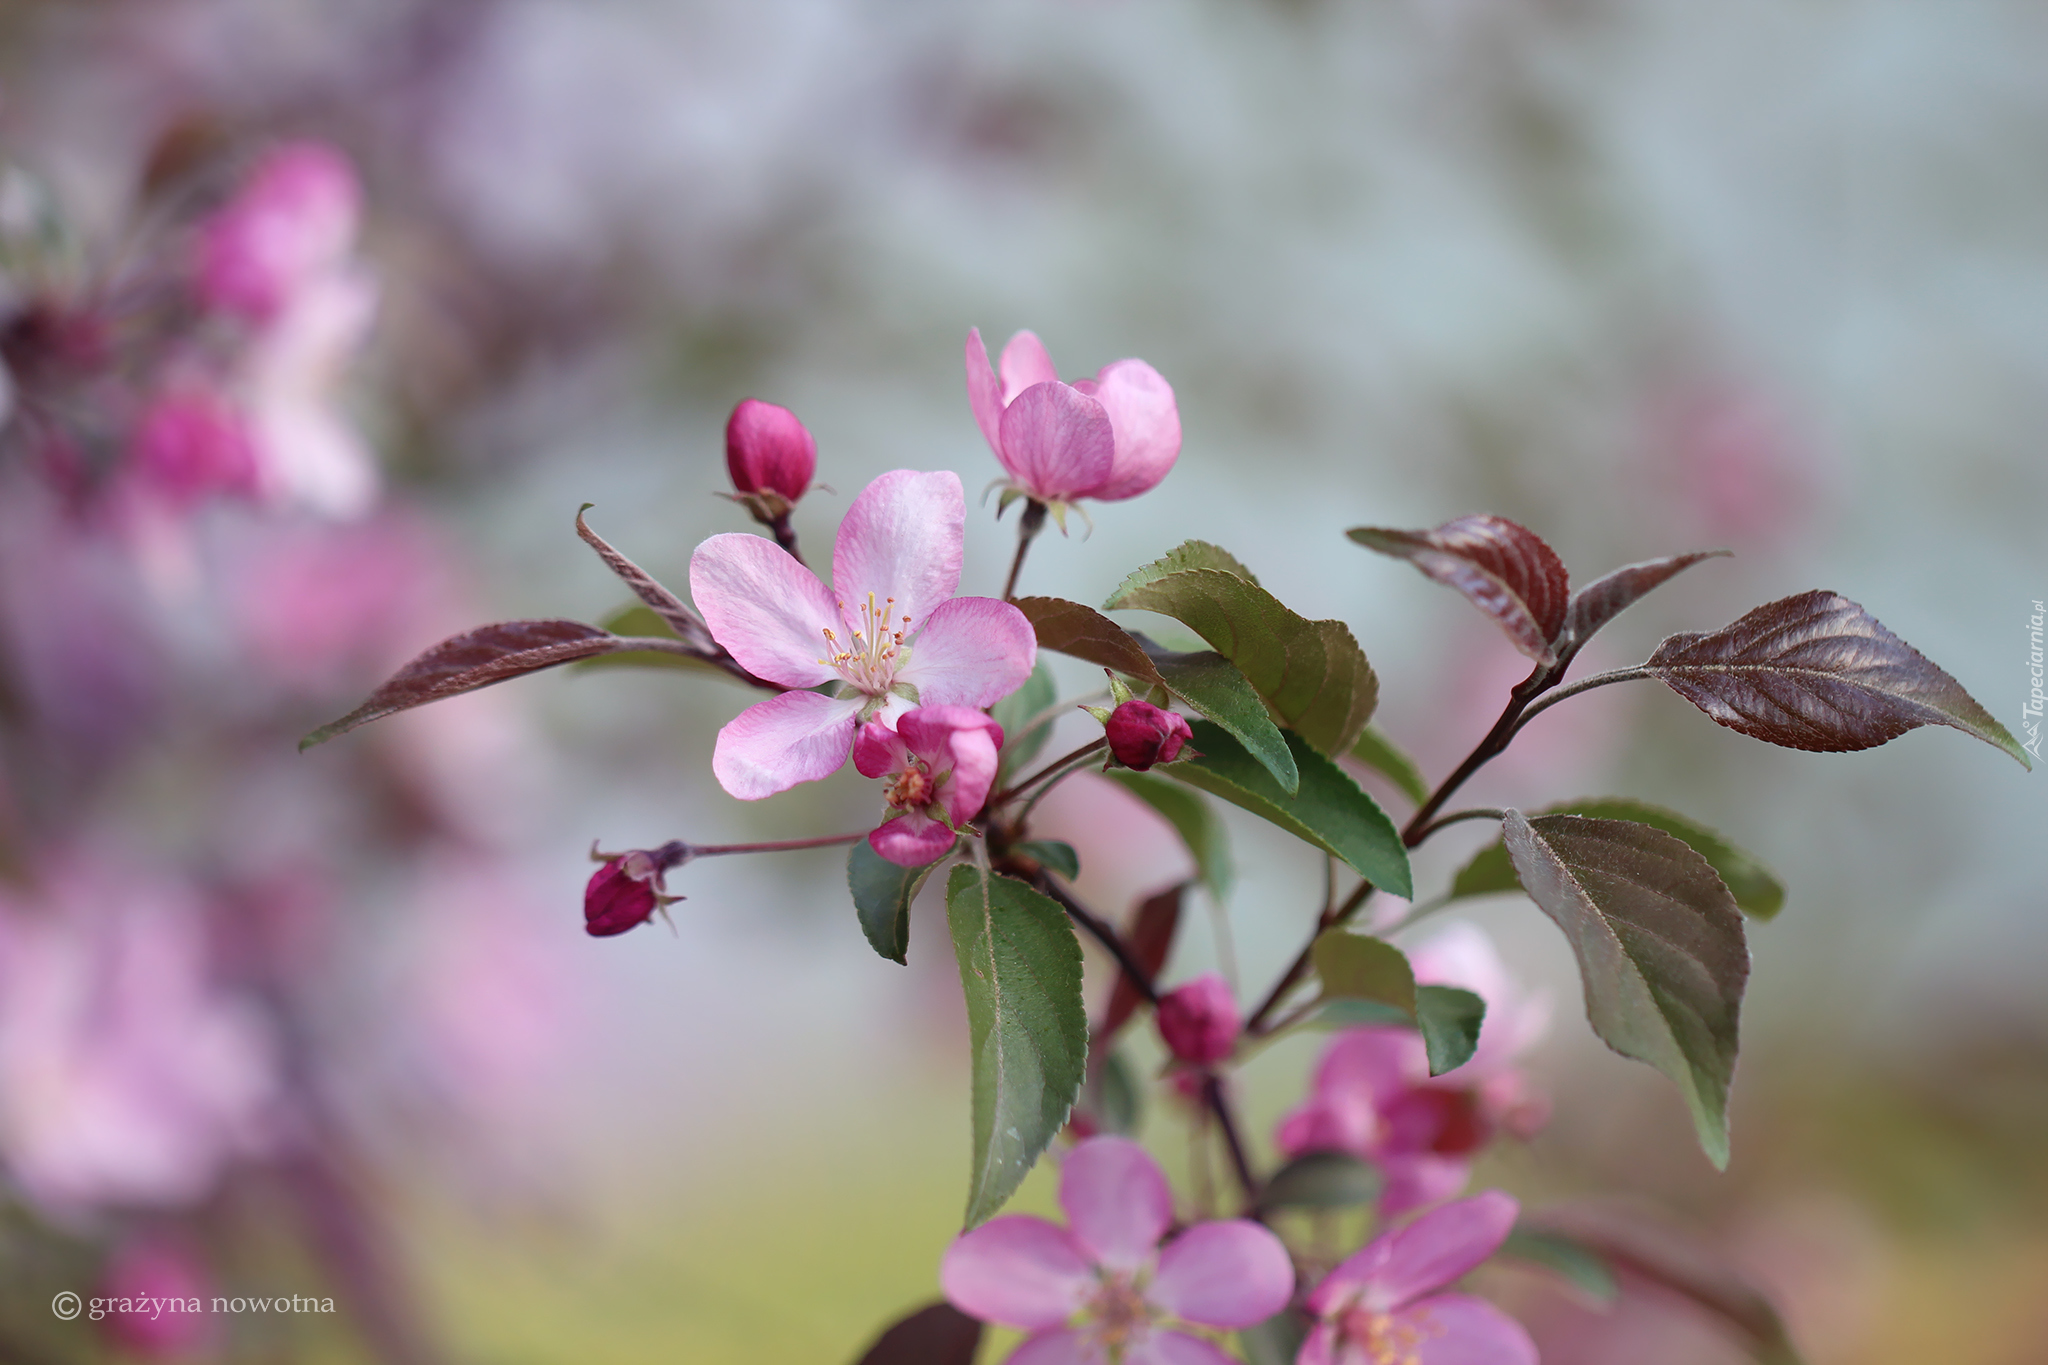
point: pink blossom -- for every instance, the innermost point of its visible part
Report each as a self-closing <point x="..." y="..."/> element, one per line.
<point x="1142" y="735"/>
<point x="1377" y="1307"/>
<point x="1373" y="1096"/>
<point x="1200" y="1020"/>
<point x="767" y="450"/>
<point x="308" y="451"/>
<point x="940" y="762"/>
<point x="191" y="443"/>
<point x="889" y="632"/>
<point x="1099" y="1291"/>
<point x="155" y="1282"/>
<point x="1111" y="437"/>
<point x="293" y="220"/>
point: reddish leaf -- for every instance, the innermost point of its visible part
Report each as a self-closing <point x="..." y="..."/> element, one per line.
<point x="478" y="658"/>
<point x="1504" y="569"/>
<point x="1607" y="597"/>
<point x="938" y="1334"/>
<point x="1818" y="672"/>
<point x="1084" y="633"/>
<point x="666" y="605"/>
<point x="1149" y="938"/>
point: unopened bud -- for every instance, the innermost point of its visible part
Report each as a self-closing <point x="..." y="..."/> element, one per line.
<point x="627" y="890"/>
<point x="770" y="456"/>
<point x="1199" y="1021"/>
<point x="1141" y="734"/>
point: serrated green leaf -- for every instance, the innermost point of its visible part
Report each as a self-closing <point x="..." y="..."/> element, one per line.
<point x="882" y="893"/>
<point x="1378" y="752"/>
<point x="1585" y="1268"/>
<point x="1757" y="893"/>
<point x="1188" y="555"/>
<point x="1321" y="1180"/>
<point x="1193" y="819"/>
<point x="1215" y="687"/>
<point x="1312" y="673"/>
<point x="1360" y="967"/>
<point x="1450" y="1018"/>
<point x="1056" y="854"/>
<point x="1031" y="702"/>
<point x="1328" y="811"/>
<point x="1346" y="1013"/>
<point x="1020" y="970"/>
<point x="1660" y="947"/>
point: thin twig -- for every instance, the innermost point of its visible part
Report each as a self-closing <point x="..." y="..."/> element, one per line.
<point x="1016" y="789"/>
<point x="1028" y="527"/>
<point x="1476" y="813"/>
<point x="1550" y="699"/>
<point x="1328" y="920"/>
<point x="785" y="536"/>
<point x="1101" y="931"/>
<point x="1212" y="1091"/>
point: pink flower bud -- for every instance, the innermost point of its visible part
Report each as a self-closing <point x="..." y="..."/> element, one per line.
<point x="190" y="444"/>
<point x="1199" y="1021"/>
<point x="623" y="894"/>
<point x="767" y="450"/>
<point x="1141" y="734"/>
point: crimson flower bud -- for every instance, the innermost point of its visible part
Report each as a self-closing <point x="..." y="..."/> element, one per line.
<point x="769" y="454"/>
<point x="1141" y="734"/>
<point x="1199" y="1021"/>
<point x="623" y="894"/>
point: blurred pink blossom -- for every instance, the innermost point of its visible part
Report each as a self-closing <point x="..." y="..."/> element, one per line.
<point x="293" y="220"/>
<point x="1200" y="1020"/>
<point x="156" y="1280"/>
<point x="1742" y="474"/>
<point x="1099" y="1290"/>
<point x="189" y="444"/>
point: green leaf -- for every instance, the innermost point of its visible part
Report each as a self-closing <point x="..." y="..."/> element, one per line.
<point x="647" y="623"/>
<point x="1377" y="752"/>
<point x="1056" y="854"/>
<point x="1329" y="811"/>
<point x="1359" y="967"/>
<point x="1114" y="1097"/>
<point x="1585" y="1268"/>
<point x="1276" y="1341"/>
<point x="1195" y="821"/>
<point x="1312" y="672"/>
<point x="1033" y="701"/>
<point x="882" y="892"/>
<point x="1321" y="1180"/>
<point x="1213" y="686"/>
<point x="1757" y="893"/>
<point x="1348" y="1013"/>
<point x="1020" y="969"/>
<point x="1450" y="1019"/>
<point x="1660" y="947"/>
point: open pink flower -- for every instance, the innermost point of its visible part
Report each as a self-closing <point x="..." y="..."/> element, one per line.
<point x="940" y="762"/>
<point x="889" y="631"/>
<point x="1377" y="1307"/>
<point x="1374" y="1098"/>
<point x="1110" y="437"/>
<point x="1097" y="1291"/>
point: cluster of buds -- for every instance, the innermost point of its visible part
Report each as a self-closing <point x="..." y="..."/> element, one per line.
<point x="628" y="890"/>
<point x="1141" y="734"/>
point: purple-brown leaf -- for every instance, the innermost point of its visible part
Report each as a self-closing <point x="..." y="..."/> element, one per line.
<point x="1084" y="633"/>
<point x="474" y="659"/>
<point x="1818" y="672"/>
<point x="1149" y="938"/>
<point x="938" y="1334"/>
<point x="1504" y="569"/>
<point x="1608" y="596"/>
<point x="678" y="617"/>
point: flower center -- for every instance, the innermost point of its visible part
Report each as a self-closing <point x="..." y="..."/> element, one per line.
<point x="877" y="651"/>
<point x="913" y="788"/>
<point x="1118" y="1316"/>
<point x="1383" y="1339"/>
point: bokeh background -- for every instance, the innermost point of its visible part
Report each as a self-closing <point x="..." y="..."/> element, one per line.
<point x="1645" y="275"/>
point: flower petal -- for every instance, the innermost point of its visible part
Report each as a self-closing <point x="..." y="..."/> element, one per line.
<point x="1060" y="1347"/>
<point x="912" y="839"/>
<point x="929" y="730"/>
<point x="900" y="541"/>
<point x="1224" y="1274"/>
<point x="773" y="745"/>
<point x="879" y="751"/>
<point x="1025" y="363"/>
<point x="1172" y="1348"/>
<point x="1429" y="1253"/>
<point x="1057" y="442"/>
<point x="1377" y="1064"/>
<point x="1116" y="1200"/>
<point x="984" y="392"/>
<point x="767" y="609"/>
<point x="974" y="651"/>
<point x="1321" y="1346"/>
<point x="1017" y="1270"/>
<point x="960" y="744"/>
<point x="1146" y="420"/>
<point x="1457" y="1329"/>
<point x="1417" y="1180"/>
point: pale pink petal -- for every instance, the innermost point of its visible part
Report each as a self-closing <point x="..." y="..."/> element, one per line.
<point x="1173" y="1348"/>
<point x="960" y="744"/>
<point x="984" y="392"/>
<point x="879" y="751"/>
<point x="1321" y="1346"/>
<point x="974" y="651"/>
<point x="1059" y="1347"/>
<point x="1017" y="1270"/>
<point x="1463" y="955"/>
<point x="773" y="745"/>
<point x="912" y="839"/>
<point x="1224" y="1274"/>
<point x="1147" y="423"/>
<point x="900" y="543"/>
<point x="1025" y="363"/>
<point x="1377" y="1063"/>
<point x="1417" y="1180"/>
<point x="974" y="772"/>
<point x="1457" y="1329"/>
<point x="1332" y="1123"/>
<point x="1117" y="1201"/>
<point x="929" y="730"/>
<point x="1428" y="1254"/>
<point x="767" y="609"/>
<point x="1057" y="443"/>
